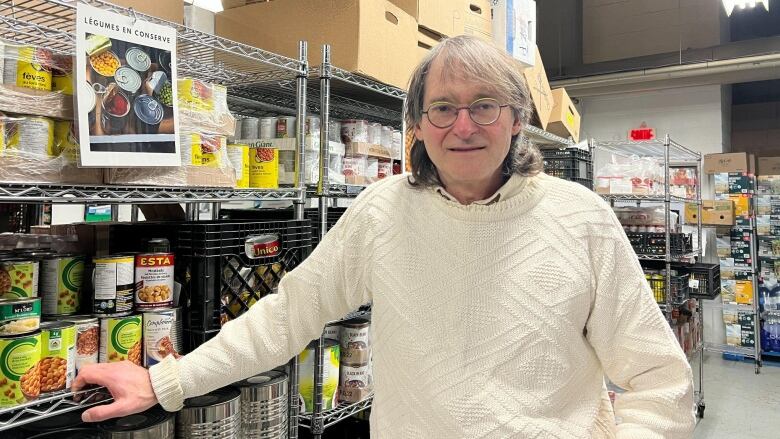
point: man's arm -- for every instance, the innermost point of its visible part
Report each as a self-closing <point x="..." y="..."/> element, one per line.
<point x="635" y="344"/>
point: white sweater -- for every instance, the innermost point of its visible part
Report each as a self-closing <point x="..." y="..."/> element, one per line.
<point x="489" y="321"/>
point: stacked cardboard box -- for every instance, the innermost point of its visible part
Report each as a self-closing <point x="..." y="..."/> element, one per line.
<point x="768" y="230"/>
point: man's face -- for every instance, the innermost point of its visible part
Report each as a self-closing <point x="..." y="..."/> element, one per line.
<point x="465" y="152"/>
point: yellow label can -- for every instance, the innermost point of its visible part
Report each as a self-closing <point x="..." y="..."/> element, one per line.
<point x="264" y="168"/>
<point x="239" y="157"/>
<point x="32" y="69"/>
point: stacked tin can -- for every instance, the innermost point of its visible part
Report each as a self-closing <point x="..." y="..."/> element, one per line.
<point x="355" y="377"/>
<point x="214" y="415"/>
<point x="264" y="406"/>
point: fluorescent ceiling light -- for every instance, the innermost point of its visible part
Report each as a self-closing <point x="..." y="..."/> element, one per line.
<point x="209" y="5"/>
<point x="730" y="5"/>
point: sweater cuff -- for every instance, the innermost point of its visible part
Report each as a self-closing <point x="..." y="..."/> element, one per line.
<point x="166" y="382"/>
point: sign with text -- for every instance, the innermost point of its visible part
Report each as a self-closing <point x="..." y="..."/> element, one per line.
<point x="642" y="133"/>
<point x="126" y="91"/>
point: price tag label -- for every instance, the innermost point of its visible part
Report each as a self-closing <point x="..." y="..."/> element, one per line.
<point x="694" y="283"/>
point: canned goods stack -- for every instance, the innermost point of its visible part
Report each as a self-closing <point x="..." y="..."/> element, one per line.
<point x="355" y="380"/>
<point x="330" y="375"/>
<point x="153" y="423"/>
<point x="264" y="406"/>
<point x="214" y="415"/>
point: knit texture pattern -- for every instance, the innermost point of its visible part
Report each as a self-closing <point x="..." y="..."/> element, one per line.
<point x="489" y="321"/>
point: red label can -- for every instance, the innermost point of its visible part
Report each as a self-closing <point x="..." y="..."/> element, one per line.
<point x="153" y="280"/>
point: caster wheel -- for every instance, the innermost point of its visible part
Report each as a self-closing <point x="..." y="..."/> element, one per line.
<point x="700" y="411"/>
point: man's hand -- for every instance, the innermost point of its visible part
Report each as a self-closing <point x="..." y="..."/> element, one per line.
<point x="128" y="383"/>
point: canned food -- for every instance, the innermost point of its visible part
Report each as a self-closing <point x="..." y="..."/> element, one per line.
<point x="375" y="133"/>
<point x="158" y="245"/>
<point x="149" y="114"/>
<point x="200" y="149"/>
<point x="58" y="355"/>
<point x="249" y="128"/>
<point x="162" y="335"/>
<point x="62" y="277"/>
<point x="19" y="316"/>
<point x="264" y="168"/>
<point x="18" y="278"/>
<point x="239" y="158"/>
<point x="120" y="339"/>
<point x="21" y="374"/>
<point x="62" y="74"/>
<point x="128" y="80"/>
<point x="267" y="128"/>
<point x="330" y="375"/>
<point x="87" y="339"/>
<point x="138" y="59"/>
<point x="154" y="280"/>
<point x="31" y="134"/>
<point x="113" y="281"/>
<point x="27" y="66"/>
<point x="105" y="63"/>
<point x="285" y="127"/>
<point x="334" y="131"/>
<point x="354" y="334"/>
<point x="354" y="376"/>
<point x="262" y="246"/>
<point x="115" y="108"/>
<point x="332" y="332"/>
<point x="312" y="126"/>
<point x="385" y="169"/>
<point x="354" y="131"/>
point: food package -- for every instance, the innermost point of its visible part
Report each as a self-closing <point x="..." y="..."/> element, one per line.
<point x="36" y="149"/>
<point x="205" y="163"/>
<point x="637" y="176"/>
<point x="203" y="108"/>
<point x="36" y="80"/>
<point x="354" y="169"/>
<point x="645" y="219"/>
<point x="335" y="164"/>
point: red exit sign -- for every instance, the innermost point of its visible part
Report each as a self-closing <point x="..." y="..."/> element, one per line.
<point x="642" y="134"/>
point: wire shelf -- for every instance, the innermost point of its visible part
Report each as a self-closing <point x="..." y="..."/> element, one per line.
<point x="363" y="312"/>
<point x="727" y="349"/>
<point x="678" y="154"/>
<point x="334" y="416"/>
<point x="673" y="257"/>
<point x="648" y="198"/>
<point x="51" y="405"/>
<point x="32" y="193"/>
<point x="539" y="136"/>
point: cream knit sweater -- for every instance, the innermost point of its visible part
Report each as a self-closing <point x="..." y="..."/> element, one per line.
<point x="489" y="321"/>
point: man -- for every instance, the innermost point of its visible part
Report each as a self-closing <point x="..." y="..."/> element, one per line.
<point x="501" y="296"/>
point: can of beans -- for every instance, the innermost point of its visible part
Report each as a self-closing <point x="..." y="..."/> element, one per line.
<point x="113" y="281"/>
<point x="285" y="127"/>
<point x="58" y="355"/>
<point x="87" y="339"/>
<point x="162" y="335"/>
<point x="120" y="339"/>
<point x="20" y="376"/>
<point x="62" y="277"/>
<point x="153" y="280"/>
<point x="18" y="277"/>
<point x="354" y="334"/>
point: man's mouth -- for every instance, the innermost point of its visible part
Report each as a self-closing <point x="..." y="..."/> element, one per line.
<point x="466" y="149"/>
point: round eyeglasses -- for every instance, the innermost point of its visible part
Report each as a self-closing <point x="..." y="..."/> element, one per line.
<point x="483" y="111"/>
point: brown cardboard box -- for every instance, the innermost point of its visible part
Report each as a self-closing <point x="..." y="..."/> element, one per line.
<point x="478" y="21"/>
<point x="540" y="90"/>
<point x="426" y="39"/>
<point x="713" y="212"/>
<point x="36" y="102"/>
<point x="728" y="162"/>
<point x="169" y="10"/>
<point x="768" y="166"/>
<point x="40" y="169"/>
<point x="363" y="34"/>
<point x="199" y="176"/>
<point x="369" y="149"/>
<point x="564" y="118"/>
<point x="446" y="17"/>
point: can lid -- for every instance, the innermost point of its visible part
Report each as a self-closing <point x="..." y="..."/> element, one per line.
<point x="357" y="322"/>
<point x="59" y="422"/>
<point x="78" y="319"/>
<point x="219" y="396"/>
<point x="264" y="379"/>
<point x="17" y="336"/>
<point x="57" y="324"/>
<point x="128" y="79"/>
<point x="327" y="343"/>
<point x="139" y="421"/>
<point x="159" y="245"/>
<point x="70" y="433"/>
<point x="19" y="300"/>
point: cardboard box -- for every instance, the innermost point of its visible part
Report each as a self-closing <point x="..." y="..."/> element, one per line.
<point x="368" y="149"/>
<point x="541" y="94"/>
<point x="564" y="118"/>
<point x="768" y="166"/>
<point x="363" y="34"/>
<point x="741" y="205"/>
<point x="36" y="102"/>
<point x="478" y="20"/>
<point x="426" y="40"/>
<point x="728" y="162"/>
<point x="768" y="184"/>
<point x="169" y="10"/>
<point x="32" y="168"/>
<point x="514" y="29"/>
<point x="743" y="291"/>
<point x="199" y="176"/>
<point x="719" y="213"/>
<point x="445" y="17"/>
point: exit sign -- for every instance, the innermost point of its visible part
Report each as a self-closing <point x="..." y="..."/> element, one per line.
<point x="643" y="133"/>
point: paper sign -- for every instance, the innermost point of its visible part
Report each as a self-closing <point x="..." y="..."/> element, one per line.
<point x="125" y="91"/>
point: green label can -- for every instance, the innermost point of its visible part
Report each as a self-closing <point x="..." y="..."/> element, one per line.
<point x="58" y="355"/>
<point x="330" y="376"/>
<point x="120" y="339"/>
<point x="19" y="316"/>
<point x="18" y="279"/>
<point x="61" y="280"/>
<point x="20" y="379"/>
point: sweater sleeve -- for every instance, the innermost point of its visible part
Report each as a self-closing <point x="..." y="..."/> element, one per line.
<point x="329" y="284"/>
<point x="635" y="344"/>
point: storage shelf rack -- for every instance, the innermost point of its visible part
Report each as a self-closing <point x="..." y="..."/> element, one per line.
<point x="51" y="405"/>
<point x="257" y="81"/>
<point x="329" y="418"/>
<point x="668" y="154"/>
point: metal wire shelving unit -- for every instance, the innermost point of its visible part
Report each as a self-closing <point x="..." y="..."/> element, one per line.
<point x="669" y="154"/>
<point x="257" y="81"/>
<point x="329" y="418"/>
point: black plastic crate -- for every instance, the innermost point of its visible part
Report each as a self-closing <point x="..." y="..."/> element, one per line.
<point x="313" y="215"/>
<point x="220" y="282"/>
<point x="706" y="279"/>
<point x="678" y="287"/>
<point x="571" y="164"/>
<point x="655" y="243"/>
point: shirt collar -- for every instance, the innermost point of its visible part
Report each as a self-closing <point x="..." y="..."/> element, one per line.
<point x="503" y="193"/>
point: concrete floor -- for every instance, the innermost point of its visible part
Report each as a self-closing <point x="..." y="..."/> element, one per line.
<point x="739" y="403"/>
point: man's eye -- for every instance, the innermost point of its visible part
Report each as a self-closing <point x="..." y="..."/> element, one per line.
<point x="441" y="108"/>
